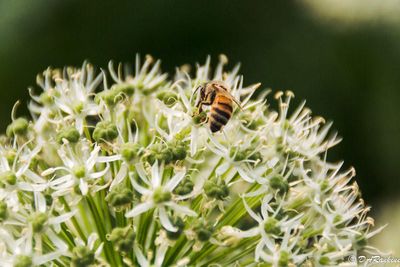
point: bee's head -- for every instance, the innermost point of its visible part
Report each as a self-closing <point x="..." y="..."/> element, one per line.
<point x="218" y="85"/>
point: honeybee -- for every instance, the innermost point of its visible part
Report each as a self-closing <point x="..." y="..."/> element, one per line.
<point x="216" y="94"/>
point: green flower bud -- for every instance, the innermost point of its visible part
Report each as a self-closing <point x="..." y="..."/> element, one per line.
<point x="237" y="155"/>
<point x="256" y="156"/>
<point x="179" y="151"/>
<point x="203" y="231"/>
<point x="184" y="188"/>
<point x="178" y="223"/>
<point x="311" y="232"/>
<point x="279" y="183"/>
<point x="182" y="134"/>
<point x="23" y="261"/>
<point x="160" y="196"/>
<point x="8" y="177"/>
<point x="271" y="226"/>
<point x="129" y="151"/>
<point x="284" y="258"/>
<point x="10" y="155"/>
<point x="3" y="211"/>
<point x="324" y="185"/>
<point x="324" y="260"/>
<point x="120" y="196"/>
<point x="160" y="152"/>
<point x="338" y="221"/>
<point x="105" y="131"/>
<point x="79" y="171"/>
<point x="48" y="198"/>
<point x="69" y="133"/>
<point x="46" y="98"/>
<point x="109" y="97"/>
<point x="122" y="239"/>
<point x="114" y="95"/>
<point x="125" y="88"/>
<point x="82" y="257"/>
<point x="17" y="127"/>
<point x="215" y="189"/>
<point x="360" y="242"/>
<point x="169" y="98"/>
<point x="78" y="108"/>
<point x="38" y="221"/>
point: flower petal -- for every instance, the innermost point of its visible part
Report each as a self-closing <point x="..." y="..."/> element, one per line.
<point x="139" y="209"/>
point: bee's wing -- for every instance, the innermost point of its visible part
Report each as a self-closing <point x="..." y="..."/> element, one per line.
<point x="232" y="97"/>
<point x="236" y="102"/>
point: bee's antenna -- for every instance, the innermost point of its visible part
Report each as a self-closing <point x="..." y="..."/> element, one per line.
<point x="198" y="87"/>
<point x="195" y="91"/>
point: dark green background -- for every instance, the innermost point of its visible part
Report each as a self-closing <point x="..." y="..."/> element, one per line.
<point x="349" y="74"/>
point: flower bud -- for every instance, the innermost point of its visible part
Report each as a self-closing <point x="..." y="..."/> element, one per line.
<point x="47" y="97"/>
<point x="17" y="127"/>
<point x="160" y="152"/>
<point x="284" y="258"/>
<point x="125" y="88"/>
<point x="129" y="151"/>
<point x="324" y="260"/>
<point x="69" y="133"/>
<point x="8" y="177"/>
<point x="178" y="223"/>
<point x="82" y="257"/>
<point x="78" y="108"/>
<point x="105" y="131"/>
<point x="160" y="196"/>
<point x="216" y="189"/>
<point x="360" y="242"/>
<point x="10" y="155"/>
<point x="79" y="171"/>
<point x="237" y="155"/>
<point x="23" y="261"/>
<point x="179" y="151"/>
<point x="184" y="188"/>
<point x="279" y="183"/>
<point x="122" y="239"/>
<point x="38" y="221"/>
<point x="116" y="94"/>
<point x="3" y="211"/>
<point x="119" y="196"/>
<point x="271" y="226"/>
<point x="109" y="97"/>
<point x="169" y="98"/>
<point x="203" y="231"/>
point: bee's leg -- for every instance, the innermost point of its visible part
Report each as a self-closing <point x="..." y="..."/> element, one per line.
<point x="200" y="105"/>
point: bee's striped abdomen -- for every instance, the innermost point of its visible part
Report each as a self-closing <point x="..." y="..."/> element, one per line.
<point x="221" y="112"/>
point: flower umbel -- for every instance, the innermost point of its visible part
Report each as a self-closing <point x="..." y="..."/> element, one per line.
<point x="128" y="174"/>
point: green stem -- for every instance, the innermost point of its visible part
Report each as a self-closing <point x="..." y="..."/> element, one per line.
<point x="74" y="221"/>
<point x="108" y="250"/>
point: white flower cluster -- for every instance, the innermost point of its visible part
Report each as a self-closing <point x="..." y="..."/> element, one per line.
<point x="128" y="173"/>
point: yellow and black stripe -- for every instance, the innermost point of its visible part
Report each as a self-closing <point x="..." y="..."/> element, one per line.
<point x="221" y="112"/>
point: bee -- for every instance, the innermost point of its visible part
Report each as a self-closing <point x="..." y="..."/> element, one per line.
<point x="216" y="94"/>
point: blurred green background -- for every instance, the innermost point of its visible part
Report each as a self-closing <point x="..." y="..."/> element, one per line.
<point x="347" y="65"/>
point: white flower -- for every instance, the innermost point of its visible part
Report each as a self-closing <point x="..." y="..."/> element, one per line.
<point x="157" y="196"/>
<point x="70" y="92"/>
<point x="79" y="169"/>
